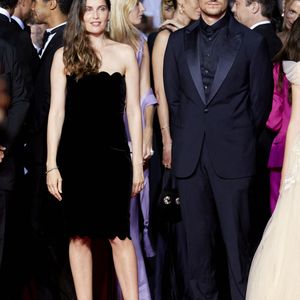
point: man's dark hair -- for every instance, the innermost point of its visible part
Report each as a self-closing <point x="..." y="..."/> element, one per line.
<point x="64" y="5"/>
<point x="8" y="4"/>
<point x="267" y="7"/>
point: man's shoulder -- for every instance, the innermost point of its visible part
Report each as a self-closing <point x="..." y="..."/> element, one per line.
<point x="246" y="31"/>
<point x="7" y="51"/>
<point x="179" y="35"/>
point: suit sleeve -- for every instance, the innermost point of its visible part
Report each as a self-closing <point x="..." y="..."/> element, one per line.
<point x="19" y="100"/>
<point x="171" y="76"/>
<point x="261" y="85"/>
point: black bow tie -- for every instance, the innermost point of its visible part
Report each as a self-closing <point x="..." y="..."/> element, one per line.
<point x="46" y="35"/>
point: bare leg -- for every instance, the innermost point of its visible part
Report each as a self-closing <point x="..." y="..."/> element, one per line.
<point x="81" y="265"/>
<point x="126" y="267"/>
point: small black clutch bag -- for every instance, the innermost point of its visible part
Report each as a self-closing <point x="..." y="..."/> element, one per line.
<point x="169" y="200"/>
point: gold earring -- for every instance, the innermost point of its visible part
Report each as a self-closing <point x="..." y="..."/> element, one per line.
<point x="181" y="9"/>
<point x="107" y="26"/>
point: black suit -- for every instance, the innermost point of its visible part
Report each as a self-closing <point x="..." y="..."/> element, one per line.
<point x="50" y="243"/>
<point x="273" y="41"/>
<point x="214" y="146"/>
<point x="19" y="38"/>
<point x="37" y="144"/>
<point x="11" y="72"/>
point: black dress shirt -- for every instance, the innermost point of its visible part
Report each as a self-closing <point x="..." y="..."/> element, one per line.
<point x="210" y="48"/>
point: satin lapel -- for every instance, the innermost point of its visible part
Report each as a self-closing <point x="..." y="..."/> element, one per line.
<point x="193" y="60"/>
<point x="56" y="41"/>
<point x="229" y="52"/>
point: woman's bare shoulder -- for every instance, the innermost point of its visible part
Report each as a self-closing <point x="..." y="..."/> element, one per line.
<point x="117" y="46"/>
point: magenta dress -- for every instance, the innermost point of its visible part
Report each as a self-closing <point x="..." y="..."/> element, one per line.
<point x="278" y="121"/>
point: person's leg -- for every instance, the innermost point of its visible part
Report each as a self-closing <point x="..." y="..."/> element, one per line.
<point x="81" y="266"/>
<point x="126" y="267"/>
<point x="144" y="292"/>
<point x="232" y="201"/>
<point x="200" y="224"/>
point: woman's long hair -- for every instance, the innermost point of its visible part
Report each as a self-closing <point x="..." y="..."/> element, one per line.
<point x="121" y="29"/>
<point x="79" y="56"/>
<point x="290" y="50"/>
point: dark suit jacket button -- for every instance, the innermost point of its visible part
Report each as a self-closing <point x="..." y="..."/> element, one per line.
<point x="205" y="110"/>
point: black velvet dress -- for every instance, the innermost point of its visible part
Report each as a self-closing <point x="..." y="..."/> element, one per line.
<point x="97" y="179"/>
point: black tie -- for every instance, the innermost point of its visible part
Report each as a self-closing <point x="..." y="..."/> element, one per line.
<point x="46" y="35"/>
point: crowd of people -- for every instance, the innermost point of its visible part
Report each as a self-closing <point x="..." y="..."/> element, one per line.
<point x="205" y="89"/>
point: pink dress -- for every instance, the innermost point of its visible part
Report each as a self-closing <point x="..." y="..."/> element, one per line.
<point x="278" y="121"/>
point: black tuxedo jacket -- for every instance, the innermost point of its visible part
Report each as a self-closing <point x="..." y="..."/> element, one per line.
<point x="20" y="39"/>
<point x="12" y="72"/>
<point x="39" y="113"/>
<point x="273" y="41"/>
<point x="237" y="108"/>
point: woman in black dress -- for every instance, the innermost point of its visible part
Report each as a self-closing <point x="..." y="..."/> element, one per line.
<point x="91" y="78"/>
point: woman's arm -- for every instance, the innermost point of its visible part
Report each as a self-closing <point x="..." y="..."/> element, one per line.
<point x="134" y="117"/>
<point x="149" y="108"/>
<point x="55" y="123"/>
<point x="162" y="109"/>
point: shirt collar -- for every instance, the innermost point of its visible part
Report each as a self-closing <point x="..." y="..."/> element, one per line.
<point x="5" y="13"/>
<point x="19" y="21"/>
<point x="216" y="26"/>
<point x="260" y="23"/>
<point x="50" y="29"/>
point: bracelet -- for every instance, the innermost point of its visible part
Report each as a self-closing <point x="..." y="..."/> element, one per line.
<point x="55" y="168"/>
<point x="165" y="127"/>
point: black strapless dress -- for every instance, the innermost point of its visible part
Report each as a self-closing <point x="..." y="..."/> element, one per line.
<point x="96" y="180"/>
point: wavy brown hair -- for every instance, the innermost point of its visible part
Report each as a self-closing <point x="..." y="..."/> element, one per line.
<point x="79" y="57"/>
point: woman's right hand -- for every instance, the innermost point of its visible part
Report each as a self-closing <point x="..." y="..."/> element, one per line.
<point x="54" y="183"/>
<point x="138" y="179"/>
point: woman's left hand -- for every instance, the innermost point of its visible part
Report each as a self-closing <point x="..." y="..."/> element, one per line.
<point x="147" y="143"/>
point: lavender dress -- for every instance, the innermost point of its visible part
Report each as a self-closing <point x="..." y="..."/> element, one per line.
<point x="144" y="198"/>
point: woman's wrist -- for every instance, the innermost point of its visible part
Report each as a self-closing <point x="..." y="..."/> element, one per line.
<point x="51" y="169"/>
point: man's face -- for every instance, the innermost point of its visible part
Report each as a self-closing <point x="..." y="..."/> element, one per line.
<point x="41" y="10"/>
<point x="27" y="9"/>
<point x="242" y="12"/>
<point x="212" y="10"/>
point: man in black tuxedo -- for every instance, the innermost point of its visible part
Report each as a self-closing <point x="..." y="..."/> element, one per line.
<point x="20" y="39"/>
<point x="15" y="111"/>
<point x="22" y="13"/>
<point x="218" y="82"/>
<point x="50" y="252"/>
<point x="257" y="14"/>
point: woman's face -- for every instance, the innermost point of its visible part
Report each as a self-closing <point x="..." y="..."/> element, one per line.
<point x="292" y="13"/>
<point x="192" y="9"/>
<point x="96" y="16"/>
<point x="135" y="15"/>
